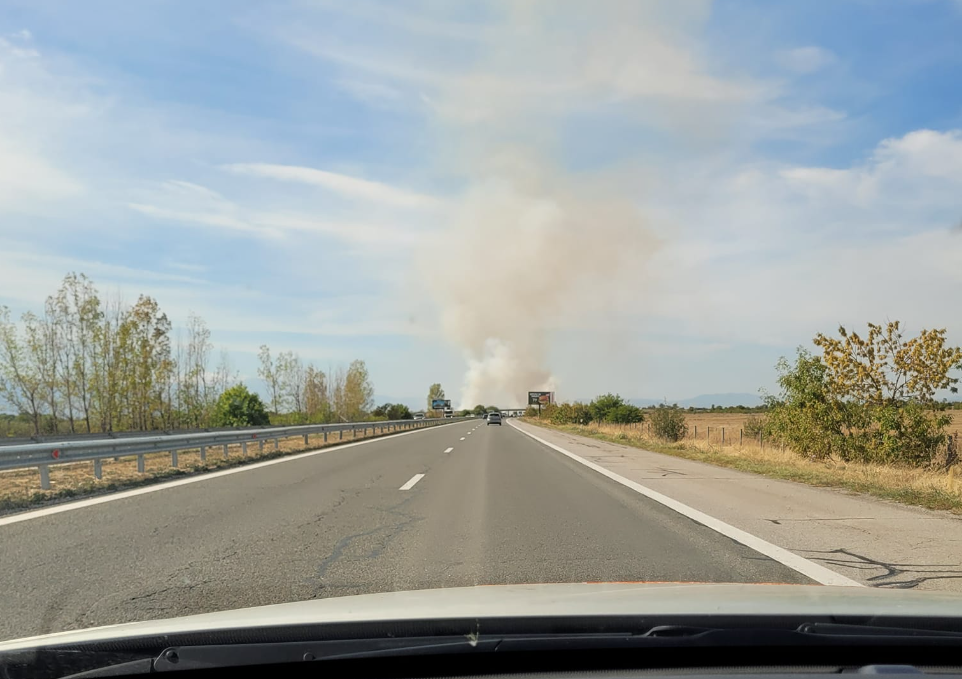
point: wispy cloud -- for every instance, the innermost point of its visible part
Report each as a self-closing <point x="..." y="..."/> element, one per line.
<point x="345" y="185"/>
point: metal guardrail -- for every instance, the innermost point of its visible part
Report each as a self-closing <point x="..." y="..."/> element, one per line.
<point x="42" y="455"/>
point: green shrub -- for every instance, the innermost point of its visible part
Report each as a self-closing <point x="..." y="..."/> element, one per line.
<point x="238" y="407"/>
<point x="812" y="421"/>
<point x="624" y="414"/>
<point x="754" y="426"/>
<point x="571" y="413"/>
<point x="669" y="423"/>
<point x="604" y="404"/>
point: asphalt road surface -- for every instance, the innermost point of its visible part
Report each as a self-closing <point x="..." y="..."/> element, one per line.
<point x="462" y="504"/>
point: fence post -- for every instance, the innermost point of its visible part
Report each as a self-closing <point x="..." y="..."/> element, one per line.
<point x="696" y="431"/>
<point x="173" y="458"/>
<point x="740" y="432"/>
<point x="140" y="464"/>
<point x="44" y="477"/>
<point x="760" y="440"/>
<point x="708" y="435"/>
<point x="203" y="453"/>
<point x="98" y="469"/>
<point x="723" y="436"/>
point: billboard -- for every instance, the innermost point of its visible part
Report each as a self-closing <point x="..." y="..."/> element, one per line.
<point x="542" y="398"/>
<point x="440" y="403"/>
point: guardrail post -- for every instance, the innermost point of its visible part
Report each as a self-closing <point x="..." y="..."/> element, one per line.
<point x="325" y="436"/>
<point x="354" y="432"/>
<point x="173" y="458"/>
<point x="277" y="444"/>
<point x="260" y="446"/>
<point x="44" y="477"/>
<point x="340" y="434"/>
<point x="141" y="467"/>
<point x="305" y="440"/>
<point x="203" y="453"/>
<point x="225" y="451"/>
<point x="244" y="448"/>
<point x="98" y="469"/>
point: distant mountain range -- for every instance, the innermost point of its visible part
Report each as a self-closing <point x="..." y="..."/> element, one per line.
<point x="705" y="401"/>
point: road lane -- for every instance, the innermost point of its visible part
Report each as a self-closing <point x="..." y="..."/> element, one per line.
<point x="497" y="508"/>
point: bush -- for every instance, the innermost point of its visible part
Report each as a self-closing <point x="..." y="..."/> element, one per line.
<point x="530" y="411"/>
<point x="602" y="405"/>
<point x="238" y="407"/>
<point x="624" y="414"/>
<point x="393" y="411"/>
<point x="754" y="426"/>
<point x="812" y="421"/>
<point x="571" y="413"/>
<point x="669" y="423"/>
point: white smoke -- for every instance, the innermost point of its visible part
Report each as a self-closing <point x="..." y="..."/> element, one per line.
<point x="532" y="242"/>
<point x="526" y="249"/>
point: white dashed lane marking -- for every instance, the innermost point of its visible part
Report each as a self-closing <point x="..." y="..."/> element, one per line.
<point x="410" y="484"/>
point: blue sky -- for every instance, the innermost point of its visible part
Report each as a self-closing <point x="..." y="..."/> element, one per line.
<point x="658" y="199"/>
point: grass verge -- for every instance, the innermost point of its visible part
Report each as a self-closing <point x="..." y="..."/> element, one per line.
<point x="907" y="485"/>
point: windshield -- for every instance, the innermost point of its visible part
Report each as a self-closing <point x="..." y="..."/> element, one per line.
<point x="249" y="354"/>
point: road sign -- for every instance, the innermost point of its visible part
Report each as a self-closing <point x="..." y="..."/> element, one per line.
<point x="540" y="398"/>
<point x="440" y="403"/>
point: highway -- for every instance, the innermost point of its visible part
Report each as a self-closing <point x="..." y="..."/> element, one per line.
<point x="462" y="504"/>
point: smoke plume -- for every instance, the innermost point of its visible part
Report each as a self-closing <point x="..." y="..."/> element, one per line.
<point x="537" y="236"/>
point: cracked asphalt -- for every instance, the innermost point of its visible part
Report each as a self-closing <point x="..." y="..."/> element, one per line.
<point x="499" y="508"/>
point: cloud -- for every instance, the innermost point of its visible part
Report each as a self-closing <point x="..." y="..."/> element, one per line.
<point x="190" y="203"/>
<point x="806" y="60"/>
<point x="29" y="182"/>
<point x="344" y="185"/>
<point x="549" y="57"/>
<point x="774" y="253"/>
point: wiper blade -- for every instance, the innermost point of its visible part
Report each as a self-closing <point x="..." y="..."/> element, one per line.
<point x="235" y="655"/>
<point x="841" y="630"/>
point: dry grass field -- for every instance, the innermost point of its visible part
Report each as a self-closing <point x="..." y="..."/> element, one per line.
<point x="933" y="489"/>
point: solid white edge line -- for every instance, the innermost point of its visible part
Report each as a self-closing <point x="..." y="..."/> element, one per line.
<point x="410" y="484"/>
<point x="448" y="450"/>
<point x="200" y="476"/>
<point x="816" y="572"/>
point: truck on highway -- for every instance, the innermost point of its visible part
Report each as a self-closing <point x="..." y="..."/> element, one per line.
<point x="449" y="412"/>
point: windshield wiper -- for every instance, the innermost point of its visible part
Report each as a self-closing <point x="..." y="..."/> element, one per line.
<point x="812" y="634"/>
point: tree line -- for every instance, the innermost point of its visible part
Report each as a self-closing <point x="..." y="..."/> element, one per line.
<point x="86" y="363"/>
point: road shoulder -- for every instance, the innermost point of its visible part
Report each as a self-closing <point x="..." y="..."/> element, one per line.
<point x="874" y="542"/>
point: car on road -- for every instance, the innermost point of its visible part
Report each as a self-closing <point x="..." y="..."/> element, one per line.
<point x="494" y="418"/>
<point x="418" y="416"/>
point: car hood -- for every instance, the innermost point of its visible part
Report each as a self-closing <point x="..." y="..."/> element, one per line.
<point x="548" y="600"/>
